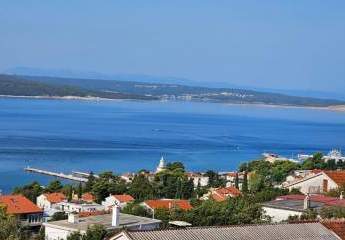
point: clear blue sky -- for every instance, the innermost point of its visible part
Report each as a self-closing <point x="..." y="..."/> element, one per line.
<point x="271" y="43"/>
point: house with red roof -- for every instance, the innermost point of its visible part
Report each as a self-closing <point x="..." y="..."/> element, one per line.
<point x="88" y="197"/>
<point x="221" y="194"/>
<point x="48" y="201"/>
<point x="117" y="199"/>
<point x="318" y="182"/>
<point x="26" y="211"/>
<point x="152" y="205"/>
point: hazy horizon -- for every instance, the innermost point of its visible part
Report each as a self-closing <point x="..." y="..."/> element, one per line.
<point x="267" y="45"/>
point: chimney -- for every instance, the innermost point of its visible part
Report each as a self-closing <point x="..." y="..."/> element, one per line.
<point x="306" y="204"/>
<point x="115" y="221"/>
<point x="73" y="218"/>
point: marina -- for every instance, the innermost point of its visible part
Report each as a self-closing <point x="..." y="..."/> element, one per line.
<point x="71" y="177"/>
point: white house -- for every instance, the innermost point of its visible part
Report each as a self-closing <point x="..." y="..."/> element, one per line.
<point x="60" y="230"/>
<point x="121" y="200"/>
<point x="321" y="182"/>
<point x="282" y="207"/>
<point x="198" y="179"/>
<point x="48" y="201"/>
<point x="78" y="207"/>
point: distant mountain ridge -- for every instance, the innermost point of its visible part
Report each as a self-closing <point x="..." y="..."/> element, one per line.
<point x="113" y="89"/>
<point x="66" y="73"/>
<point x="21" y="87"/>
<point x="144" y="78"/>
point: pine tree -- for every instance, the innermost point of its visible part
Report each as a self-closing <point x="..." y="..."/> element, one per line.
<point x="245" y="183"/>
<point x="80" y="190"/>
<point x="70" y="193"/>
<point x="236" y="181"/>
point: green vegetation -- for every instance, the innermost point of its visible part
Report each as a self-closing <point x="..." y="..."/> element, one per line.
<point x="332" y="212"/>
<point x="96" y="232"/>
<point x="9" y="227"/>
<point x="18" y="86"/>
<point x="112" y="89"/>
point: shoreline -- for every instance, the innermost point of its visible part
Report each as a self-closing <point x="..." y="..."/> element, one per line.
<point x="334" y="108"/>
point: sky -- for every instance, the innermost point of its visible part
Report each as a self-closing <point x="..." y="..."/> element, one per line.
<point x="291" y="44"/>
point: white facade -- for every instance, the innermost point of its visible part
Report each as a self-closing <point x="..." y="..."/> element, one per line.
<point x="199" y="179"/>
<point x="278" y="215"/>
<point x="55" y="233"/>
<point x="69" y="207"/>
<point x="317" y="183"/>
<point x="42" y="202"/>
<point x="58" y="231"/>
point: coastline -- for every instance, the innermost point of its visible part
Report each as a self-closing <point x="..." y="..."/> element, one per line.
<point x="334" y="108"/>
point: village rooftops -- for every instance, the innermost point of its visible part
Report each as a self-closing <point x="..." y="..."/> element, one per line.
<point x="124" y="198"/>
<point x="305" y="231"/>
<point x="88" y="197"/>
<point x="337" y="176"/>
<point x="296" y="202"/>
<point x="55" y="197"/>
<point x="221" y="194"/>
<point x="18" y="204"/>
<point x="105" y="220"/>
<point x="168" y="204"/>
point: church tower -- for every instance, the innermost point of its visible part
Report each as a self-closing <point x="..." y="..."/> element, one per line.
<point x="161" y="165"/>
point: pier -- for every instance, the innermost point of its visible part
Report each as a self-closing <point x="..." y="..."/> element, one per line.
<point x="71" y="177"/>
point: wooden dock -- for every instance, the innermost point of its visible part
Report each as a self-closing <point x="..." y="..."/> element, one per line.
<point x="58" y="175"/>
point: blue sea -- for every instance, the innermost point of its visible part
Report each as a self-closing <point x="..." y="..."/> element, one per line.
<point x="123" y="136"/>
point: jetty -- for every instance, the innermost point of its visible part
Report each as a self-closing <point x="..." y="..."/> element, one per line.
<point x="81" y="178"/>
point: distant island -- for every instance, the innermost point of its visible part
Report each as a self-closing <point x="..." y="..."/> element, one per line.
<point x="54" y="87"/>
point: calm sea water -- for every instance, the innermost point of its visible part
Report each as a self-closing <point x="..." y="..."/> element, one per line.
<point x="124" y="136"/>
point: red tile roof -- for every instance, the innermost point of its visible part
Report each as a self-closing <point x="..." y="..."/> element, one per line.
<point x="95" y="213"/>
<point x="337" y="226"/>
<point x="18" y="204"/>
<point x="169" y="203"/>
<point x="337" y="176"/>
<point x="124" y="198"/>
<point x="88" y="197"/>
<point x="55" y="197"/>
<point x="221" y="194"/>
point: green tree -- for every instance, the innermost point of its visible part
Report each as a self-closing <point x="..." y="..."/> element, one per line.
<point x="30" y="191"/>
<point x="80" y="190"/>
<point x="9" y="227"/>
<point x="175" y="166"/>
<point x="140" y="188"/>
<point x="332" y="212"/>
<point x="237" y="185"/>
<point x="74" y="236"/>
<point x="106" y="184"/>
<point x="310" y="214"/>
<point x="90" y="181"/>
<point x="54" y="186"/>
<point x="214" y="180"/>
<point x="245" y="183"/>
<point x="95" y="232"/>
<point x="59" y="216"/>
<point x="70" y="193"/>
<point x="136" y="209"/>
